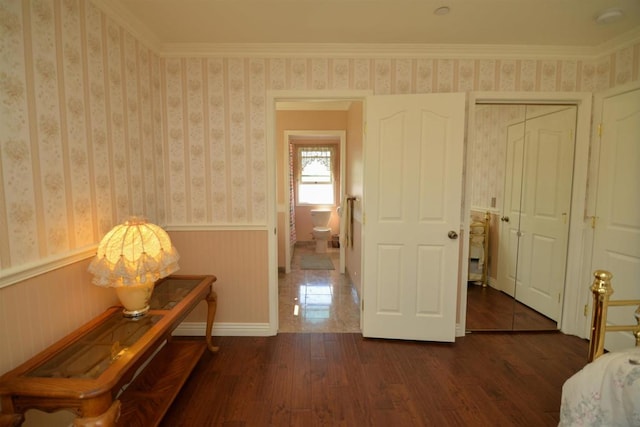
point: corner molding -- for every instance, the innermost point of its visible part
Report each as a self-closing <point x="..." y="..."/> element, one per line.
<point x="115" y="11"/>
<point x="625" y="40"/>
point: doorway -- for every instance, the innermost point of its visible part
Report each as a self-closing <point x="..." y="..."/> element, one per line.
<point x="304" y="118"/>
<point x="437" y="122"/>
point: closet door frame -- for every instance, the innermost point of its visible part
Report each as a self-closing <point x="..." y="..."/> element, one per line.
<point x="573" y="317"/>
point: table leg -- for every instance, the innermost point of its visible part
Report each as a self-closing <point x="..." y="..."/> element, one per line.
<point x="11" y="420"/>
<point x="108" y="419"/>
<point x="212" y="306"/>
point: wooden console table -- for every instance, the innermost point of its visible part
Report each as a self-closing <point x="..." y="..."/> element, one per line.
<point x="86" y="371"/>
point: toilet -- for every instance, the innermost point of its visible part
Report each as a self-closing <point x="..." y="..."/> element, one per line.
<point x="321" y="230"/>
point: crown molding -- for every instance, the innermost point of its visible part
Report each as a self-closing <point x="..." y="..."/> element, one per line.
<point x="390" y="50"/>
<point x="138" y="29"/>
<point x="130" y="23"/>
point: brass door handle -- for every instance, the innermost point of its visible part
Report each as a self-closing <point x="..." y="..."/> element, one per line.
<point x="452" y="235"/>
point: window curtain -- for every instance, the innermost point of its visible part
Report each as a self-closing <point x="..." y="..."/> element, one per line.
<point x="292" y="200"/>
<point x="309" y="154"/>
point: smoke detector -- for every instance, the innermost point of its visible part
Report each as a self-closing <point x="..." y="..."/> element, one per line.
<point x="608" y="16"/>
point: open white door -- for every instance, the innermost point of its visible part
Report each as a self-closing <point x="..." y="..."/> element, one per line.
<point x="412" y="205"/>
<point x="617" y="224"/>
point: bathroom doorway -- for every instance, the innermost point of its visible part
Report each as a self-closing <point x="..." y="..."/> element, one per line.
<point x="314" y="299"/>
<point x="297" y="226"/>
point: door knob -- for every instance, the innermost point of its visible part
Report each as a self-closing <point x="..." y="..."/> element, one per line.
<point x="504" y="219"/>
<point x="452" y="235"/>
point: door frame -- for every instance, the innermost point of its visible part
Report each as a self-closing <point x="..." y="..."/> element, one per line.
<point x="573" y="317"/>
<point x="274" y="96"/>
<point x="341" y="136"/>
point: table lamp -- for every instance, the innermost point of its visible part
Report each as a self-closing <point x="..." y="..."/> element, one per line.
<point x="130" y="258"/>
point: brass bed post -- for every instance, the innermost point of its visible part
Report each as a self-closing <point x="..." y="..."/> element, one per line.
<point x="601" y="289"/>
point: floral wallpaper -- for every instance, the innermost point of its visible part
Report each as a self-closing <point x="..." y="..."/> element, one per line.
<point x="488" y="154"/>
<point x="80" y="136"/>
<point x="95" y="126"/>
<point x="488" y="150"/>
<point x="215" y="131"/>
<point x="215" y="115"/>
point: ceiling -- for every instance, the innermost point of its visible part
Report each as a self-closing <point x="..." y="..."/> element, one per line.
<point x="469" y="22"/>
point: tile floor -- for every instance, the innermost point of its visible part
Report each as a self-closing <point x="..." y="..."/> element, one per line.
<point x="317" y="300"/>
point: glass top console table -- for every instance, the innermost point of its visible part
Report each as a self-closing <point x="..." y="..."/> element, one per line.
<point x="85" y="371"/>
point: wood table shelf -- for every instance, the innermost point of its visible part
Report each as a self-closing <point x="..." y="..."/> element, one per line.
<point x="86" y="371"/>
<point x="146" y="400"/>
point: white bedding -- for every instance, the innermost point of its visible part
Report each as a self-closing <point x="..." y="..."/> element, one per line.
<point x="605" y="392"/>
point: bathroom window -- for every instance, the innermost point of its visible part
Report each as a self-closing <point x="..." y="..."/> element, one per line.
<point x="315" y="176"/>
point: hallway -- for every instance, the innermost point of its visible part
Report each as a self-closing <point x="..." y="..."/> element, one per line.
<point x="317" y="300"/>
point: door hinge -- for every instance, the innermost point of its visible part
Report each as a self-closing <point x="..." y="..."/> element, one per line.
<point x="593" y="222"/>
<point x="362" y="305"/>
<point x="599" y="129"/>
<point x="586" y="309"/>
<point x="559" y="296"/>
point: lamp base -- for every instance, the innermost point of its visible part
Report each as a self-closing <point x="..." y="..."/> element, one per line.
<point x="134" y="314"/>
<point x="135" y="299"/>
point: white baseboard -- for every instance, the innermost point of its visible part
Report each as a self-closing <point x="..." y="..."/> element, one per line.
<point x="493" y="282"/>
<point x="198" y="329"/>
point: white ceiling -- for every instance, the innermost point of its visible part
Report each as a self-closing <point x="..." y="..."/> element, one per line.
<point x="485" y="22"/>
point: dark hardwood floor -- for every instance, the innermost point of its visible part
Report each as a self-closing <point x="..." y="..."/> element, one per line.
<point x="490" y="309"/>
<point x="342" y="379"/>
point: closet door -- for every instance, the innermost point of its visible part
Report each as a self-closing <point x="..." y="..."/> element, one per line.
<point x="545" y="209"/>
<point x="510" y="220"/>
<point x="536" y="209"/>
